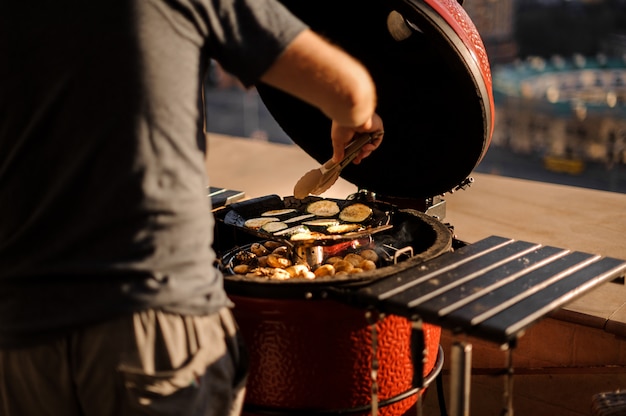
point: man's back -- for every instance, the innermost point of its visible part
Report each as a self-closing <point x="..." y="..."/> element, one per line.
<point x="102" y="182"/>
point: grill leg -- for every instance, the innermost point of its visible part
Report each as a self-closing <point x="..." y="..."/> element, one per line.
<point x="418" y="352"/>
<point x="460" y="378"/>
<point x="507" y="409"/>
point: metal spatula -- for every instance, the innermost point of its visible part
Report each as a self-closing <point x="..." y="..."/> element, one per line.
<point x="318" y="180"/>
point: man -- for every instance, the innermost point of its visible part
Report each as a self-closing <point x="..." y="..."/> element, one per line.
<point x="109" y="302"/>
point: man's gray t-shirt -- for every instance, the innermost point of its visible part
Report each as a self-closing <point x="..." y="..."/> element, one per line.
<point x="103" y="205"/>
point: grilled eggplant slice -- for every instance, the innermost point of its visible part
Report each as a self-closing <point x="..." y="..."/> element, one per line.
<point x="297" y="229"/>
<point x="355" y="213"/>
<point x="274" y="226"/>
<point x="322" y="222"/>
<point x="299" y="218"/>
<point x="305" y="236"/>
<point x="278" y="212"/>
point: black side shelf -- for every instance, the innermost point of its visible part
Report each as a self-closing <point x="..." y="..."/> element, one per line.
<point x="492" y="289"/>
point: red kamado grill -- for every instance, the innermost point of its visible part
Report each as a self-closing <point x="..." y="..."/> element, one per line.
<point x="368" y="343"/>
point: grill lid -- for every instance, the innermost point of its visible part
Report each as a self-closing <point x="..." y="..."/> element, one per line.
<point x="434" y="92"/>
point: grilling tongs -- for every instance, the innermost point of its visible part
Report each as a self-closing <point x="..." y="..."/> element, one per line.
<point x="318" y="180"/>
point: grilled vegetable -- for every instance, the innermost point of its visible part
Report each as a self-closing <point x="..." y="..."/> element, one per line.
<point x="280" y="274"/>
<point x="274" y="260"/>
<point x="354" y="258"/>
<point x="274" y="226"/>
<point x="323" y="208"/>
<point x="298" y="229"/>
<point x="256" y="223"/>
<point x="307" y="235"/>
<point x="278" y="212"/>
<point x="343" y="266"/>
<point x="333" y="259"/>
<point x="355" y="213"/>
<point x="322" y="222"/>
<point x="299" y="218"/>
<point x="369" y="254"/>
<point x="367" y="265"/>
<point x="300" y="270"/>
<point x="246" y="257"/>
<point x="281" y="251"/>
<point x="326" y="270"/>
<point x="241" y="269"/>
<point x="259" y="249"/>
<point x="272" y="245"/>
<point x="343" y="228"/>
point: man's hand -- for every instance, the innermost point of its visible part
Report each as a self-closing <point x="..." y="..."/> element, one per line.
<point x="342" y="136"/>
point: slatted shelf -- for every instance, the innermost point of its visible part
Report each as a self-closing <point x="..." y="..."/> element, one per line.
<point x="493" y="289"/>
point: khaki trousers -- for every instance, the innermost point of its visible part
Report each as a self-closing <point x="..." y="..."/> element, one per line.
<point x="147" y="363"/>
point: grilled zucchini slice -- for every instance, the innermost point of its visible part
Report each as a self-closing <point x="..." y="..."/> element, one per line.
<point x="323" y="208"/>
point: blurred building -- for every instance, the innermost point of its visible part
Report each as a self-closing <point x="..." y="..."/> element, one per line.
<point x="559" y="78"/>
<point x="569" y="111"/>
<point x="512" y="28"/>
<point x="567" y="27"/>
<point x="615" y="44"/>
<point x="494" y="21"/>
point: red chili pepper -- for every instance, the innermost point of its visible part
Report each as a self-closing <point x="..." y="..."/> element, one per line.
<point x="340" y="248"/>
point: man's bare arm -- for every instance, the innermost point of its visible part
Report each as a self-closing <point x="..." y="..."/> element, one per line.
<point x="330" y="79"/>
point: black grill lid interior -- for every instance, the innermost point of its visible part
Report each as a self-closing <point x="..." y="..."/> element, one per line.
<point x="433" y="113"/>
